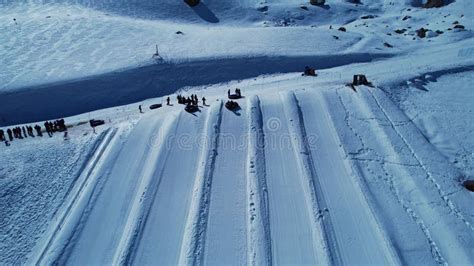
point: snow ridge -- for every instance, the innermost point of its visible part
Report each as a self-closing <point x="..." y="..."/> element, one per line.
<point x="259" y="238"/>
<point x="68" y="217"/>
<point x="192" y="248"/>
<point x="324" y="236"/>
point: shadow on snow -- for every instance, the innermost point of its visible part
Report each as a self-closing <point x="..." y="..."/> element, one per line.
<point x="68" y="98"/>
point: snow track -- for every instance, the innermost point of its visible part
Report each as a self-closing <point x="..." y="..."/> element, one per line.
<point x="226" y="234"/>
<point x="441" y="184"/>
<point x="443" y="221"/>
<point x="151" y="177"/>
<point x="163" y="227"/>
<point x="306" y="172"/>
<point x="196" y="227"/>
<point x="62" y="227"/>
<point x="258" y="228"/>
<point x="280" y="181"/>
<point x="295" y="239"/>
<point x="360" y="239"/>
<point x="98" y="238"/>
<point x="408" y="180"/>
<point x="316" y="202"/>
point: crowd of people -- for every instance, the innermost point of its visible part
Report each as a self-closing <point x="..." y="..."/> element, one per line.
<point x="193" y="100"/>
<point x="29" y="131"/>
<point x="56" y="126"/>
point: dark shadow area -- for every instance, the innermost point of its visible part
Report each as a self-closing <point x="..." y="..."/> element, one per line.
<point x="153" y="9"/>
<point x="422" y="81"/>
<point x="205" y="13"/>
<point x="68" y="98"/>
<point x="420" y="3"/>
<point x="326" y="6"/>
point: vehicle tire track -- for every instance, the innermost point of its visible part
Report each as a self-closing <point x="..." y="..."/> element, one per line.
<point x="258" y="227"/>
<point x="317" y="203"/>
<point x="68" y="218"/>
<point x="192" y="249"/>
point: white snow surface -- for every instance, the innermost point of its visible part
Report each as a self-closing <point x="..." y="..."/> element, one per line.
<point x="307" y="171"/>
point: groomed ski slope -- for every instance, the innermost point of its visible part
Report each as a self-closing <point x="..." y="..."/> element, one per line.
<point x="195" y="192"/>
<point x="292" y="226"/>
<point x="306" y="172"/>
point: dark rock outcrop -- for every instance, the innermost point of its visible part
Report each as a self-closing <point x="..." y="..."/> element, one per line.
<point x="421" y="32"/>
<point x="469" y="185"/>
<point x="317" y="2"/>
<point x="434" y="3"/>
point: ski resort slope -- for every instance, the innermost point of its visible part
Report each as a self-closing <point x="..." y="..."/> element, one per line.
<point x="159" y="194"/>
<point x="307" y="171"/>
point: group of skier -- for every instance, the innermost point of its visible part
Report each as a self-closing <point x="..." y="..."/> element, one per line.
<point x="29" y="131"/>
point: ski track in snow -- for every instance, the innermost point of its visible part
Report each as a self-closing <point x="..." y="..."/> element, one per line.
<point x="315" y="198"/>
<point x="305" y="173"/>
<point x="393" y="187"/>
<point x="226" y="234"/>
<point x="313" y="184"/>
<point x="292" y="233"/>
<point x="443" y="195"/>
<point x="61" y="230"/>
<point x="410" y="193"/>
<point x="160" y="239"/>
<point x="361" y="240"/>
<point x="196" y="227"/>
<point x="258" y="227"/>
<point x="104" y="226"/>
<point x="149" y="184"/>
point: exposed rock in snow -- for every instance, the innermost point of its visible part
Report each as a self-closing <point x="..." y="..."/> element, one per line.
<point x="434" y="3"/>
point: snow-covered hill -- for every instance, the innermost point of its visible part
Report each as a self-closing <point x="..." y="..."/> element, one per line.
<point x="307" y="171"/>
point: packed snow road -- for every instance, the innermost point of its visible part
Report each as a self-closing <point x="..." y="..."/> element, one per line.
<point x="289" y="178"/>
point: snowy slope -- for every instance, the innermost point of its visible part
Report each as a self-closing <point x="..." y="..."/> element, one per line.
<point x="338" y="197"/>
<point x="306" y="171"/>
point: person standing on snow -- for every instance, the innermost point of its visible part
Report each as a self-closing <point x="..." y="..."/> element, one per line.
<point x="38" y="131"/>
<point x="168" y="101"/>
<point x="10" y="134"/>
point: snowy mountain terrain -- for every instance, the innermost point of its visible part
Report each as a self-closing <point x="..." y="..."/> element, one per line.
<point x="307" y="170"/>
